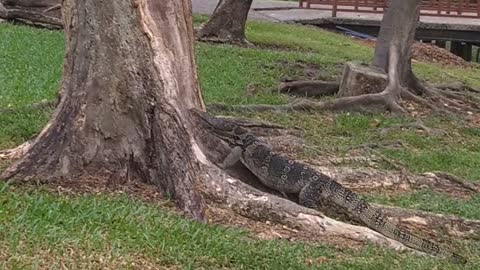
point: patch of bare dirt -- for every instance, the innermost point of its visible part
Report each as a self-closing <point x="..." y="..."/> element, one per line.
<point x="429" y="53"/>
<point x="271" y="231"/>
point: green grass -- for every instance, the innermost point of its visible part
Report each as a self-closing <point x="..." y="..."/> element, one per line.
<point x="31" y="66"/>
<point x="428" y="200"/>
<point x="40" y="228"/>
<point x="458" y="153"/>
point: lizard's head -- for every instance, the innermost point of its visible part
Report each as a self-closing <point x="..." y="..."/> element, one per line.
<point x="233" y="135"/>
<point x="227" y="131"/>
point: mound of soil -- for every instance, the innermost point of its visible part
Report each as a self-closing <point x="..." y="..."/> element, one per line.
<point x="429" y="53"/>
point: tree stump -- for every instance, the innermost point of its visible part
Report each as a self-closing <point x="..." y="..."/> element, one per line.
<point x="358" y="79"/>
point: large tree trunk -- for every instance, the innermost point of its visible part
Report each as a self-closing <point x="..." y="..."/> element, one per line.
<point x="227" y="23"/>
<point x="126" y="88"/>
<point x="398" y="26"/>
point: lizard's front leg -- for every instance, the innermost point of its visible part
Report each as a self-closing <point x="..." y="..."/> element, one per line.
<point x="232" y="158"/>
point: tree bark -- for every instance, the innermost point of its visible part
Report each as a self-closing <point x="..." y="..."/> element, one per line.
<point x="227" y="23"/>
<point x="398" y="26"/>
<point x="126" y="88"/>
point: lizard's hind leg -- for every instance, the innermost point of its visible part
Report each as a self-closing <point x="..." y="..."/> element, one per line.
<point x="311" y="195"/>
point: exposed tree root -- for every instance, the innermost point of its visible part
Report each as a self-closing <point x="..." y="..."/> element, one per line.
<point x="31" y="17"/>
<point x="252" y="203"/>
<point x="435" y="224"/>
<point x="419" y="100"/>
<point x="264" y="129"/>
<point x="54" y="7"/>
<point x="371" y="179"/>
<point x="363" y="103"/>
<point x="309" y="88"/>
<point x="15" y="153"/>
<point x="219" y="40"/>
<point x="470" y="100"/>
<point x="378" y="145"/>
<point x="451" y="103"/>
<point x="457" y="87"/>
<point x="417" y="125"/>
<point x="461" y="182"/>
<point x="394" y="164"/>
<point x="437" y="100"/>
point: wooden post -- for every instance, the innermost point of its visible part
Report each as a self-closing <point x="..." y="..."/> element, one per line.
<point x="334" y="9"/>
<point x="467" y="51"/>
<point x="478" y="53"/>
<point x="462" y="49"/>
<point x="456" y="48"/>
<point x="478" y="12"/>
<point x="441" y="43"/>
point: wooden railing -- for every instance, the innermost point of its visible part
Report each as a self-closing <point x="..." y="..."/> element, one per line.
<point x="443" y="8"/>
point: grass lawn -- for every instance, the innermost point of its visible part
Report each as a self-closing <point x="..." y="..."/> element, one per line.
<point x="40" y="229"/>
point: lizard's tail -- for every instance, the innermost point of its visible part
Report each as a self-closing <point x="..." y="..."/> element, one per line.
<point x="328" y="189"/>
<point x="376" y="220"/>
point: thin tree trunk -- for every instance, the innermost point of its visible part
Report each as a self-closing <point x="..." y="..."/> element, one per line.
<point x="398" y="26"/>
<point x="126" y="88"/>
<point x="227" y="23"/>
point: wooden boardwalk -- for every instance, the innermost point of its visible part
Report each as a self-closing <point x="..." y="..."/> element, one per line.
<point x="436" y="8"/>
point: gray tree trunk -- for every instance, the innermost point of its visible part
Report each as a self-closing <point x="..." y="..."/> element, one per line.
<point x="227" y="23"/>
<point x="398" y="28"/>
<point x="129" y="79"/>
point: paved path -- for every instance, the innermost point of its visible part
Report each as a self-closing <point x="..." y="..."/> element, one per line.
<point x="297" y="14"/>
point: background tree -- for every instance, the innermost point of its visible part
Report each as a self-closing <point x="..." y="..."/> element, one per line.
<point x="227" y="23"/>
<point x="393" y="55"/>
<point x="399" y="29"/>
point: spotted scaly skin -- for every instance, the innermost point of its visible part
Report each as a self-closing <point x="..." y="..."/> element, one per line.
<point x="289" y="176"/>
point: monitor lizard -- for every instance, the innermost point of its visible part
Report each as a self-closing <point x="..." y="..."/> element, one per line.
<point x="285" y="175"/>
